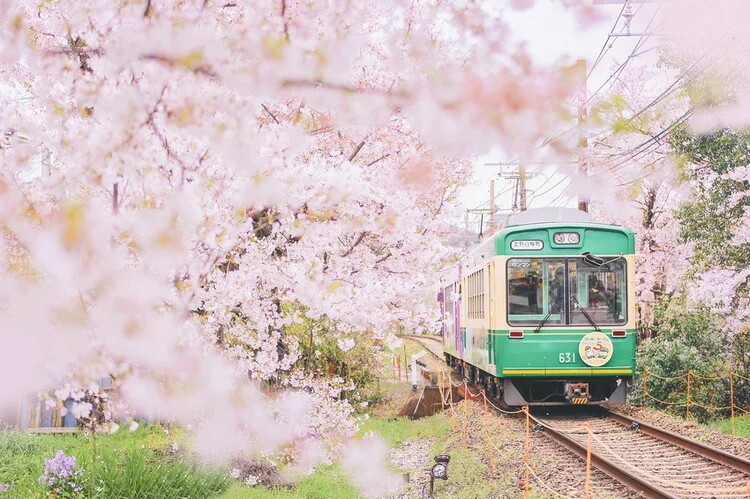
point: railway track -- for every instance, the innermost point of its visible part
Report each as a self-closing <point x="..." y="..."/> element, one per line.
<point x="648" y="460"/>
<point x="654" y="462"/>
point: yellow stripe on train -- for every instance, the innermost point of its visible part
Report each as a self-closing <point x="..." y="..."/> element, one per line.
<point x="592" y="371"/>
<point x="580" y="400"/>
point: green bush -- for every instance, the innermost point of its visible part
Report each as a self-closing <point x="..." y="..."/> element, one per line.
<point x="686" y="339"/>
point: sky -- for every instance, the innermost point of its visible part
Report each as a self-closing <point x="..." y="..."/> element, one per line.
<point x="553" y="36"/>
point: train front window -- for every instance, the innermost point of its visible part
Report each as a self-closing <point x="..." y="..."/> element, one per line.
<point x="536" y="289"/>
<point x="561" y="289"/>
<point x="599" y="291"/>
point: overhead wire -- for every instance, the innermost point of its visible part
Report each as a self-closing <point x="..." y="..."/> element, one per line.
<point x="613" y="78"/>
<point x="650" y="144"/>
<point x="486" y="203"/>
<point x="563" y="192"/>
<point x="606" y="46"/>
<point x="663" y="95"/>
<point x="615" y="75"/>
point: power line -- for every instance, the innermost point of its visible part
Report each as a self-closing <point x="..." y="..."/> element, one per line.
<point x="562" y="193"/>
<point x="648" y="145"/>
<point x="485" y="203"/>
<point x="615" y="75"/>
<point x="606" y="46"/>
<point x="619" y="70"/>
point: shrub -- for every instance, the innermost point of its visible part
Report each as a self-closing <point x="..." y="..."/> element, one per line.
<point x="686" y="339"/>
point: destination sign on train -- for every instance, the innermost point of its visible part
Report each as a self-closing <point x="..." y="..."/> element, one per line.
<point x="526" y="245"/>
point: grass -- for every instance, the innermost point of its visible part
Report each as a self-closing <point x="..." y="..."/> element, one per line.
<point x="137" y="474"/>
<point x="395" y="430"/>
<point x="410" y="347"/>
<point x="327" y="482"/>
<point x="133" y="464"/>
<point x="741" y="426"/>
<point x="330" y="481"/>
<point x="127" y="464"/>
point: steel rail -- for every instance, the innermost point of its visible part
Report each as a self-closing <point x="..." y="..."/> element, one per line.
<point x="634" y="482"/>
<point x="717" y="455"/>
<point x="631" y="480"/>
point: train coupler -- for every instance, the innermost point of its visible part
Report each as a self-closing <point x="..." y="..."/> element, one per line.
<point x="577" y="393"/>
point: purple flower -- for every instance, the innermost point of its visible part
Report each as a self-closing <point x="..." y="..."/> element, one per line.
<point x="61" y="473"/>
<point x="4" y="487"/>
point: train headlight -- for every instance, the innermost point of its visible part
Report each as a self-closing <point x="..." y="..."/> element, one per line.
<point x="566" y="238"/>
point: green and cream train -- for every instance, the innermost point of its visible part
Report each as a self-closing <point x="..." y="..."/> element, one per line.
<point x="543" y="311"/>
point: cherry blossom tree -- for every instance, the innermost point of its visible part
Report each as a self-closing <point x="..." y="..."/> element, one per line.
<point x="220" y="170"/>
<point x="632" y="164"/>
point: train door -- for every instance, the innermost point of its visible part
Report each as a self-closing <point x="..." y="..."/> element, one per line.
<point x="491" y="312"/>
<point x="464" y="305"/>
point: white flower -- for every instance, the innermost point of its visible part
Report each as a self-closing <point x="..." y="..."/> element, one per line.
<point x="346" y="344"/>
<point x="133" y="426"/>
<point x="251" y="480"/>
<point x="393" y="341"/>
<point x="114" y="427"/>
<point x="81" y="409"/>
<point x="234" y="473"/>
<point x="364" y="404"/>
<point x="63" y="393"/>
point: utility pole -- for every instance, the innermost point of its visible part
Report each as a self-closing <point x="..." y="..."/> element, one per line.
<point x="492" y="207"/>
<point x="520" y="191"/>
<point x="466" y="230"/>
<point x="583" y="170"/>
<point x="522" y="187"/>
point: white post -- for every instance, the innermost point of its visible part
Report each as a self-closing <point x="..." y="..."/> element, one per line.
<point x="414" y="369"/>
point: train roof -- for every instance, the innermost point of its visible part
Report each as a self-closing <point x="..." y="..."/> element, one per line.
<point x="536" y="225"/>
<point x="547" y="215"/>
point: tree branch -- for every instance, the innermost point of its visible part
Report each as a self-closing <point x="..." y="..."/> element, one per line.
<point x="356" y="243"/>
<point x="322" y="129"/>
<point x="358" y="148"/>
<point x="201" y="69"/>
<point x="383" y="258"/>
<point x="284" y="19"/>
<point x="338" y="87"/>
<point x="116" y="198"/>
<point x="272" y="115"/>
<point x="78" y="46"/>
<point x="384" y="156"/>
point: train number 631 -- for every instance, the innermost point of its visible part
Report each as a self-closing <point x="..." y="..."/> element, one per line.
<point x="566" y="357"/>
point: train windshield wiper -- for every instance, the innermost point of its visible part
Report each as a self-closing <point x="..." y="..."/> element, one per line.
<point x="556" y="305"/>
<point x="585" y="314"/>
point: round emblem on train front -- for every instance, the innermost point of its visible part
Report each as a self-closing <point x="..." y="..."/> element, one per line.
<point x="595" y="349"/>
